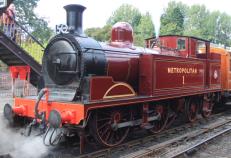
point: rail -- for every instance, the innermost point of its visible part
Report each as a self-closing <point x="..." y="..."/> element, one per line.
<point x="22" y="37"/>
<point x="197" y="145"/>
<point x="146" y="145"/>
<point x="178" y="145"/>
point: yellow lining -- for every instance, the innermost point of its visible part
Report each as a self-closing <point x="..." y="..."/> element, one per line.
<point x="122" y="95"/>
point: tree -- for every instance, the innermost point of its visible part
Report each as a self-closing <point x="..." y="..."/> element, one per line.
<point x="41" y="30"/>
<point x="223" y="34"/>
<point x="213" y="26"/>
<point x="142" y="25"/>
<point x="126" y="13"/>
<point x="197" y="20"/>
<point x="172" y="20"/>
<point x="100" y="34"/>
<point x="144" y="30"/>
<point x="26" y="17"/>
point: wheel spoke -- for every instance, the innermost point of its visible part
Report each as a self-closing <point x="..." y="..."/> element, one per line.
<point x="105" y="131"/>
<point x="160" y="125"/>
<point x="104" y="113"/>
<point x="105" y="126"/>
<point x="108" y="135"/>
<point x="104" y="119"/>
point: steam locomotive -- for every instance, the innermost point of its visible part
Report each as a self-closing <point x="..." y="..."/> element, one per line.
<point x="102" y="90"/>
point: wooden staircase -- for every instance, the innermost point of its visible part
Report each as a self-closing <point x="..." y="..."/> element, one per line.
<point x="23" y="50"/>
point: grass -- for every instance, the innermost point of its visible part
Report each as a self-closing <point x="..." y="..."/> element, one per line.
<point x="34" y="50"/>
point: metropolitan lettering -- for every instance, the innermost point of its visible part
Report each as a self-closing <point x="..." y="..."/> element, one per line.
<point x="179" y="70"/>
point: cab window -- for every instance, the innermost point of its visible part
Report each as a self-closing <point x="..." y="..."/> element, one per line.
<point x="201" y="47"/>
<point x="181" y="44"/>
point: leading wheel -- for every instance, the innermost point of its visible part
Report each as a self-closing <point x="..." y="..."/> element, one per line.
<point x="105" y="125"/>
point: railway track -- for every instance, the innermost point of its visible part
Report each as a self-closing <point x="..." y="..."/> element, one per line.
<point x="185" y="144"/>
<point x="149" y="145"/>
<point x="152" y="145"/>
<point x="200" y="143"/>
<point x="5" y="156"/>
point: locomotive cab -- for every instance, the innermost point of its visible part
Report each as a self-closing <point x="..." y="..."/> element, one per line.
<point x="183" y="46"/>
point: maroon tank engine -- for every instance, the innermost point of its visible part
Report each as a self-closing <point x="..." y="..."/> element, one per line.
<point x="103" y="90"/>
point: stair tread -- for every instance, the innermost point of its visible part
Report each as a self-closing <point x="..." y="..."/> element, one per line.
<point x="13" y="55"/>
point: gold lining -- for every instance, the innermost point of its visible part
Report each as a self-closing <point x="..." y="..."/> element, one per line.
<point x="198" y="62"/>
<point x="122" y="95"/>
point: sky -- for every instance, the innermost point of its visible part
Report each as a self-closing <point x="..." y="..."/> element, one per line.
<point x="98" y="11"/>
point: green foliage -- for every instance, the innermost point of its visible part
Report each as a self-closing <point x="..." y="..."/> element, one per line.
<point x="126" y="13"/>
<point x="100" y="34"/>
<point x="197" y="21"/>
<point x="172" y="20"/>
<point x="144" y="30"/>
<point x="34" y="50"/>
<point x="25" y="15"/>
<point x="212" y="26"/>
<point x="41" y="30"/>
<point x="223" y="25"/>
<point x="142" y="25"/>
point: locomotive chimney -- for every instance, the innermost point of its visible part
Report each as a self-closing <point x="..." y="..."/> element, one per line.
<point x="74" y="18"/>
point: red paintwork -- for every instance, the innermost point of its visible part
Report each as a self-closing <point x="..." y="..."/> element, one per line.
<point x="70" y="112"/>
<point x="163" y="79"/>
<point x="122" y="35"/>
<point x="122" y="57"/>
<point x="148" y="75"/>
<point x="215" y="75"/>
<point x="21" y="71"/>
<point x="170" y="41"/>
<point x="163" y="82"/>
<point x="19" y="110"/>
<point x="68" y="117"/>
<point x="145" y="114"/>
<point x="99" y="86"/>
<point x="123" y="63"/>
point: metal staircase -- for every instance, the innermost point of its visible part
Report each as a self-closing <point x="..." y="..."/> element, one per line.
<point x="21" y="48"/>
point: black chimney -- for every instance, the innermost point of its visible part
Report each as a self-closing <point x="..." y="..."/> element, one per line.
<point x="74" y="18"/>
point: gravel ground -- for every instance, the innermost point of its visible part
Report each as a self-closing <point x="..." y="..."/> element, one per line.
<point x="14" y="143"/>
<point x="219" y="148"/>
<point x="3" y="101"/>
<point x="11" y="139"/>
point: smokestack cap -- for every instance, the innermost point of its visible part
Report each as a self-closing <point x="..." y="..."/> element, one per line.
<point x="74" y="18"/>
